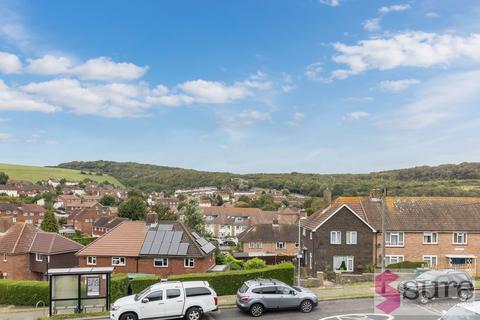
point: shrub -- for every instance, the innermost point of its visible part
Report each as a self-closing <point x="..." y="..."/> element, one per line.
<point x="407" y="265"/>
<point x="255" y="263"/>
<point x="118" y="286"/>
<point x="225" y="283"/>
<point x="83" y="240"/>
<point x="23" y="293"/>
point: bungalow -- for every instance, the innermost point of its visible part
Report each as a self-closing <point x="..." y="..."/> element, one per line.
<point x="27" y="252"/>
<point x="133" y="247"/>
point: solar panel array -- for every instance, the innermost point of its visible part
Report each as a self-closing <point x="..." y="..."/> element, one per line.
<point x="164" y="241"/>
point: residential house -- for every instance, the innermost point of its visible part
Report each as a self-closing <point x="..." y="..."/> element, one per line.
<point x="8" y="209"/>
<point x="133" y="247"/>
<point x="27" y="253"/>
<point x="105" y="224"/>
<point x="442" y="231"/>
<point x="67" y="200"/>
<point x="270" y="240"/>
<point x="31" y="190"/>
<point x="31" y="213"/>
<point x="9" y="190"/>
<point x="83" y="219"/>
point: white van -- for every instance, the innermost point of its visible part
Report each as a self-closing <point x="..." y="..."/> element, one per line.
<point x="167" y="300"/>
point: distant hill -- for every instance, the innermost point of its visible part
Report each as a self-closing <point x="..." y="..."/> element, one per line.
<point x="444" y="180"/>
<point x="34" y="174"/>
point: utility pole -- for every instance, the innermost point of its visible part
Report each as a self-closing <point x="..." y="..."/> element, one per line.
<point x="383" y="204"/>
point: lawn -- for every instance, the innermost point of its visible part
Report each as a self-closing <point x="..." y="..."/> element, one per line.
<point x="34" y="174"/>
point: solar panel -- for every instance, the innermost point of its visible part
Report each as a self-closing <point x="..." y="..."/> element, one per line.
<point x="150" y="236"/>
<point x="182" y="249"/>
<point x="165" y="227"/>
<point x="173" y="248"/>
<point x="202" y="241"/>
<point x="164" y="248"/>
<point x="195" y="235"/>
<point x="146" y="247"/>
<point x="207" y="248"/>
<point x="157" y="242"/>
<point x="177" y="236"/>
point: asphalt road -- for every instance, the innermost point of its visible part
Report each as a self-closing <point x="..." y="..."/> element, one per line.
<point x="361" y="309"/>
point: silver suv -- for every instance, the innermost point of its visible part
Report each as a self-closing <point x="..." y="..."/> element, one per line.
<point x="256" y="296"/>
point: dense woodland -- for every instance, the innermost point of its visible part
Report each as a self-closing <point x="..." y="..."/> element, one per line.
<point x="444" y="180"/>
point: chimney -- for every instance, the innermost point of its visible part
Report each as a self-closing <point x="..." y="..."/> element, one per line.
<point x="376" y="195"/>
<point x="327" y="197"/>
<point x="275" y="222"/>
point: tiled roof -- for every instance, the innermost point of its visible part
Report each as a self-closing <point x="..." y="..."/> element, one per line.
<point x="53" y="243"/>
<point x="31" y="207"/>
<point x="228" y="215"/>
<point x="269" y="233"/>
<point x="84" y="214"/>
<point x="7" y="206"/>
<point x="410" y="213"/>
<point x="18" y="238"/>
<point x="108" y="222"/>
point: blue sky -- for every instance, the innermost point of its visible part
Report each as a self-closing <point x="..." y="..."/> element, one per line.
<point x="243" y="86"/>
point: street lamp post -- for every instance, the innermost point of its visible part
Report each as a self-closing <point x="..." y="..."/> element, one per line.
<point x="299" y="251"/>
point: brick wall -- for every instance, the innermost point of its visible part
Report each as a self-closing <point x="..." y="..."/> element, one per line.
<point x="290" y="249"/>
<point x="17" y="267"/>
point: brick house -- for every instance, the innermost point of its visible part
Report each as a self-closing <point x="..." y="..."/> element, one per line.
<point x="105" y="224"/>
<point x="8" y="209"/>
<point x="27" y="252"/>
<point x="31" y="213"/>
<point x="83" y="219"/>
<point x="167" y="248"/>
<point x="270" y="240"/>
<point x="441" y="231"/>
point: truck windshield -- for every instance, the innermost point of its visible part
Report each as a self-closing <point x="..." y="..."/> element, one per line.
<point x="140" y="294"/>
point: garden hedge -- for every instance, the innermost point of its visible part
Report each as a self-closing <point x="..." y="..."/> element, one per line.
<point x="407" y="265"/>
<point x="118" y="286"/>
<point x="23" y="293"/>
<point x="225" y="283"/>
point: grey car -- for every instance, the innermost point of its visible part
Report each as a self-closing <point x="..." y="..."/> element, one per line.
<point x="257" y="296"/>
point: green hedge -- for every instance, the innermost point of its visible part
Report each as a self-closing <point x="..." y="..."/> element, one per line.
<point x="118" y="286"/>
<point x="225" y="283"/>
<point x="83" y="240"/>
<point x="407" y="265"/>
<point x="23" y="293"/>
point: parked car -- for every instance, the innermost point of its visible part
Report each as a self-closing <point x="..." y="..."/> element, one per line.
<point x="437" y="285"/>
<point x="256" y="296"/>
<point x="167" y="300"/>
<point x="468" y="311"/>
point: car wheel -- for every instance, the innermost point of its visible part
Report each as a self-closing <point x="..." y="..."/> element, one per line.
<point x="193" y="313"/>
<point x="423" y="298"/>
<point x="129" y="316"/>
<point x="463" y="295"/>
<point x="306" y="306"/>
<point x="256" y="310"/>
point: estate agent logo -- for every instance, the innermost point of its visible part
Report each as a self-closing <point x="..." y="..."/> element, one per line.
<point x="383" y="289"/>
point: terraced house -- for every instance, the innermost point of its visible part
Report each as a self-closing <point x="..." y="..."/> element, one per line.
<point x="443" y="232"/>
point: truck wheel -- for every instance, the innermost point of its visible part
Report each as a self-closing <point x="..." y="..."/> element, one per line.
<point x="256" y="310"/>
<point x="129" y="316"/>
<point x="306" y="306"/>
<point x="193" y="313"/>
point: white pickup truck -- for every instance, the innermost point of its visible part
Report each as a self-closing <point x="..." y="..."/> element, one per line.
<point x="167" y="300"/>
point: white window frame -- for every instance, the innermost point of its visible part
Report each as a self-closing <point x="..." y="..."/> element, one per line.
<point x="91" y="260"/>
<point x="304" y="232"/>
<point x="189" y="263"/>
<point x="38" y="257"/>
<point x="258" y="245"/>
<point x="119" y="262"/>
<point x="351" y="237"/>
<point x="336" y="237"/>
<point x="311" y="235"/>
<point x="5" y="257"/>
<point x="349" y="263"/>
<point x="430" y="259"/>
<point x="251" y="245"/>
<point x="397" y="257"/>
<point x="398" y="234"/>
<point x="310" y="260"/>
<point x="281" y="245"/>
<point x="163" y="260"/>
<point x="431" y="235"/>
<point x="465" y="237"/>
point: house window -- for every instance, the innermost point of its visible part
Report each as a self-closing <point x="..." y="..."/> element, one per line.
<point x="335" y="237"/>
<point x="92" y="260"/>
<point x="280" y="245"/>
<point x="38" y="257"/>
<point x="394" y="239"/>
<point x="343" y="263"/>
<point x="311" y="235"/>
<point x="390" y="259"/>
<point x="430" y="238"/>
<point x="258" y="245"/>
<point x="430" y="260"/>
<point x="351" y="237"/>
<point x="118" y="261"/>
<point x="296" y="245"/>
<point x="310" y="260"/>
<point x="189" y="263"/>
<point x="160" y="262"/>
<point x="459" y="238"/>
<point x="304" y="232"/>
<point x="4" y="257"/>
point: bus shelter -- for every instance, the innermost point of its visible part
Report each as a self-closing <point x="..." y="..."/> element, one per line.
<point x="79" y="289"/>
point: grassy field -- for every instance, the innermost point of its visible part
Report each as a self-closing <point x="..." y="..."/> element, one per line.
<point x="34" y="174"/>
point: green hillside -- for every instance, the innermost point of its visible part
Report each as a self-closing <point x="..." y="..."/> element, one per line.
<point x="444" y="180"/>
<point x="34" y="174"/>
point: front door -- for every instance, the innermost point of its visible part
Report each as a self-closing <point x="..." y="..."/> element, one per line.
<point x="153" y="308"/>
<point x="173" y="303"/>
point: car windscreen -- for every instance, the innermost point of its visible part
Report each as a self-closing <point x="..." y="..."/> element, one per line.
<point x="428" y="277"/>
<point x="243" y="288"/>
<point x="140" y="294"/>
<point x="460" y="313"/>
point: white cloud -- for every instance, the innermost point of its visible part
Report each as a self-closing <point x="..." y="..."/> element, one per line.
<point x="359" y="99"/>
<point x="331" y="3"/>
<point x="13" y="99"/>
<point x="372" y="25"/>
<point x="432" y="14"/>
<point x="287" y="88"/>
<point x="356" y="115"/>
<point x="313" y="71"/>
<point x="103" y="68"/>
<point x="10" y="63"/>
<point x="297" y="118"/>
<point x="408" y="49"/>
<point x="49" y="65"/>
<point x="397" y="85"/>
<point x="394" y="8"/>
<point x="5" y="136"/>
